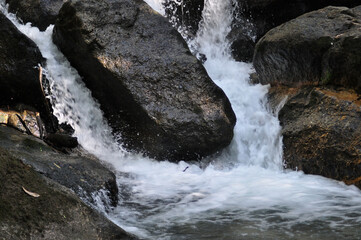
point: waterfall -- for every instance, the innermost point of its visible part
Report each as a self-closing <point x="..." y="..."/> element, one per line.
<point x="243" y="193"/>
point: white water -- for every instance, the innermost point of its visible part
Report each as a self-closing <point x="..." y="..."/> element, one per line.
<point x="244" y="192"/>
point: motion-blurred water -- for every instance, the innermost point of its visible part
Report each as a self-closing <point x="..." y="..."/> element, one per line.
<point x="241" y="194"/>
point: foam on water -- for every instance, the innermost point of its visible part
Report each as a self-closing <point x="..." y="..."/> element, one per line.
<point x="243" y="192"/>
<point x="157" y="5"/>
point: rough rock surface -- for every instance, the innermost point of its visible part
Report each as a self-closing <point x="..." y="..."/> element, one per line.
<point x="185" y="14"/>
<point x="150" y="87"/>
<point x="57" y="214"/>
<point x="321" y="131"/>
<point x="267" y="14"/>
<point x="321" y="47"/>
<point x="254" y="18"/>
<point x="263" y="15"/>
<point x="41" y="13"/>
<point x="19" y="78"/>
<point x="82" y="173"/>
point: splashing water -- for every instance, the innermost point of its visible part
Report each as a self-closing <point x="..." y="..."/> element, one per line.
<point x="157" y="5"/>
<point x="242" y="194"/>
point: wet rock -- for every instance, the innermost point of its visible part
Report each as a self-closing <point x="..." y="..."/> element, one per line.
<point x="82" y="173"/>
<point x="242" y="42"/>
<point x="319" y="48"/>
<point x="56" y="214"/>
<point x="19" y="76"/>
<point x="41" y="13"/>
<point x="150" y="87"/>
<point x="185" y="14"/>
<point x="321" y="131"/>
<point x="59" y="140"/>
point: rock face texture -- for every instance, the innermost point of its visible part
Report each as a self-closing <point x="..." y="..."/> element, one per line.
<point x="56" y="214"/>
<point x="19" y="76"/>
<point x="267" y="14"/>
<point x="322" y="131"/>
<point x="321" y="47"/>
<point x="41" y="13"/>
<point x="82" y="173"/>
<point x="314" y="61"/>
<point x="263" y="15"/>
<point x="253" y="18"/>
<point x="150" y="87"/>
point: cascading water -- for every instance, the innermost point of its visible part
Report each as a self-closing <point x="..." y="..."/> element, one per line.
<point x="242" y="194"/>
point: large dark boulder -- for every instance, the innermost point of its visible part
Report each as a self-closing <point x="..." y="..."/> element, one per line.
<point x="19" y="76"/>
<point x="252" y="18"/>
<point x="56" y="214"/>
<point x="267" y="14"/>
<point x="263" y="15"/>
<point x="150" y="87"/>
<point x="321" y="131"/>
<point x="321" y="47"/>
<point x="41" y="13"/>
<point x="78" y="171"/>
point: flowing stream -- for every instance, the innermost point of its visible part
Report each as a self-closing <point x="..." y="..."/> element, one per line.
<point x="242" y="194"/>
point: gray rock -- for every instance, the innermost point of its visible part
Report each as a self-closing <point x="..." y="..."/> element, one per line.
<point x="150" y="87"/>
<point x="56" y="214"/>
<point x="321" y="131"/>
<point x="82" y="173"/>
<point x="267" y="14"/>
<point x="41" y="13"/>
<point x="19" y="78"/>
<point x="321" y="47"/>
<point x="257" y="17"/>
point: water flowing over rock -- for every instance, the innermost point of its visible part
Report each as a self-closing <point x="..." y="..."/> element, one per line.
<point x="56" y="214"/>
<point x="321" y="131"/>
<point x="19" y="75"/>
<point x="150" y="87"/>
<point x="41" y="13"/>
<point x="253" y="18"/>
<point x="321" y="47"/>
<point x="185" y="14"/>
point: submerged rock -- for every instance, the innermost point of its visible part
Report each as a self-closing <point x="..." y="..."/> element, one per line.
<point x="150" y="87"/>
<point x="321" y="47"/>
<point x="321" y="131"/>
<point x="56" y="214"/>
<point x="19" y="73"/>
<point x="41" y="13"/>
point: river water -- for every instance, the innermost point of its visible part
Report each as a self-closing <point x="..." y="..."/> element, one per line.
<point x="244" y="193"/>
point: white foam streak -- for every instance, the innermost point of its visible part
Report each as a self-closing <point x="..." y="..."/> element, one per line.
<point x="157" y="5"/>
<point x="257" y="134"/>
<point x="71" y="100"/>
